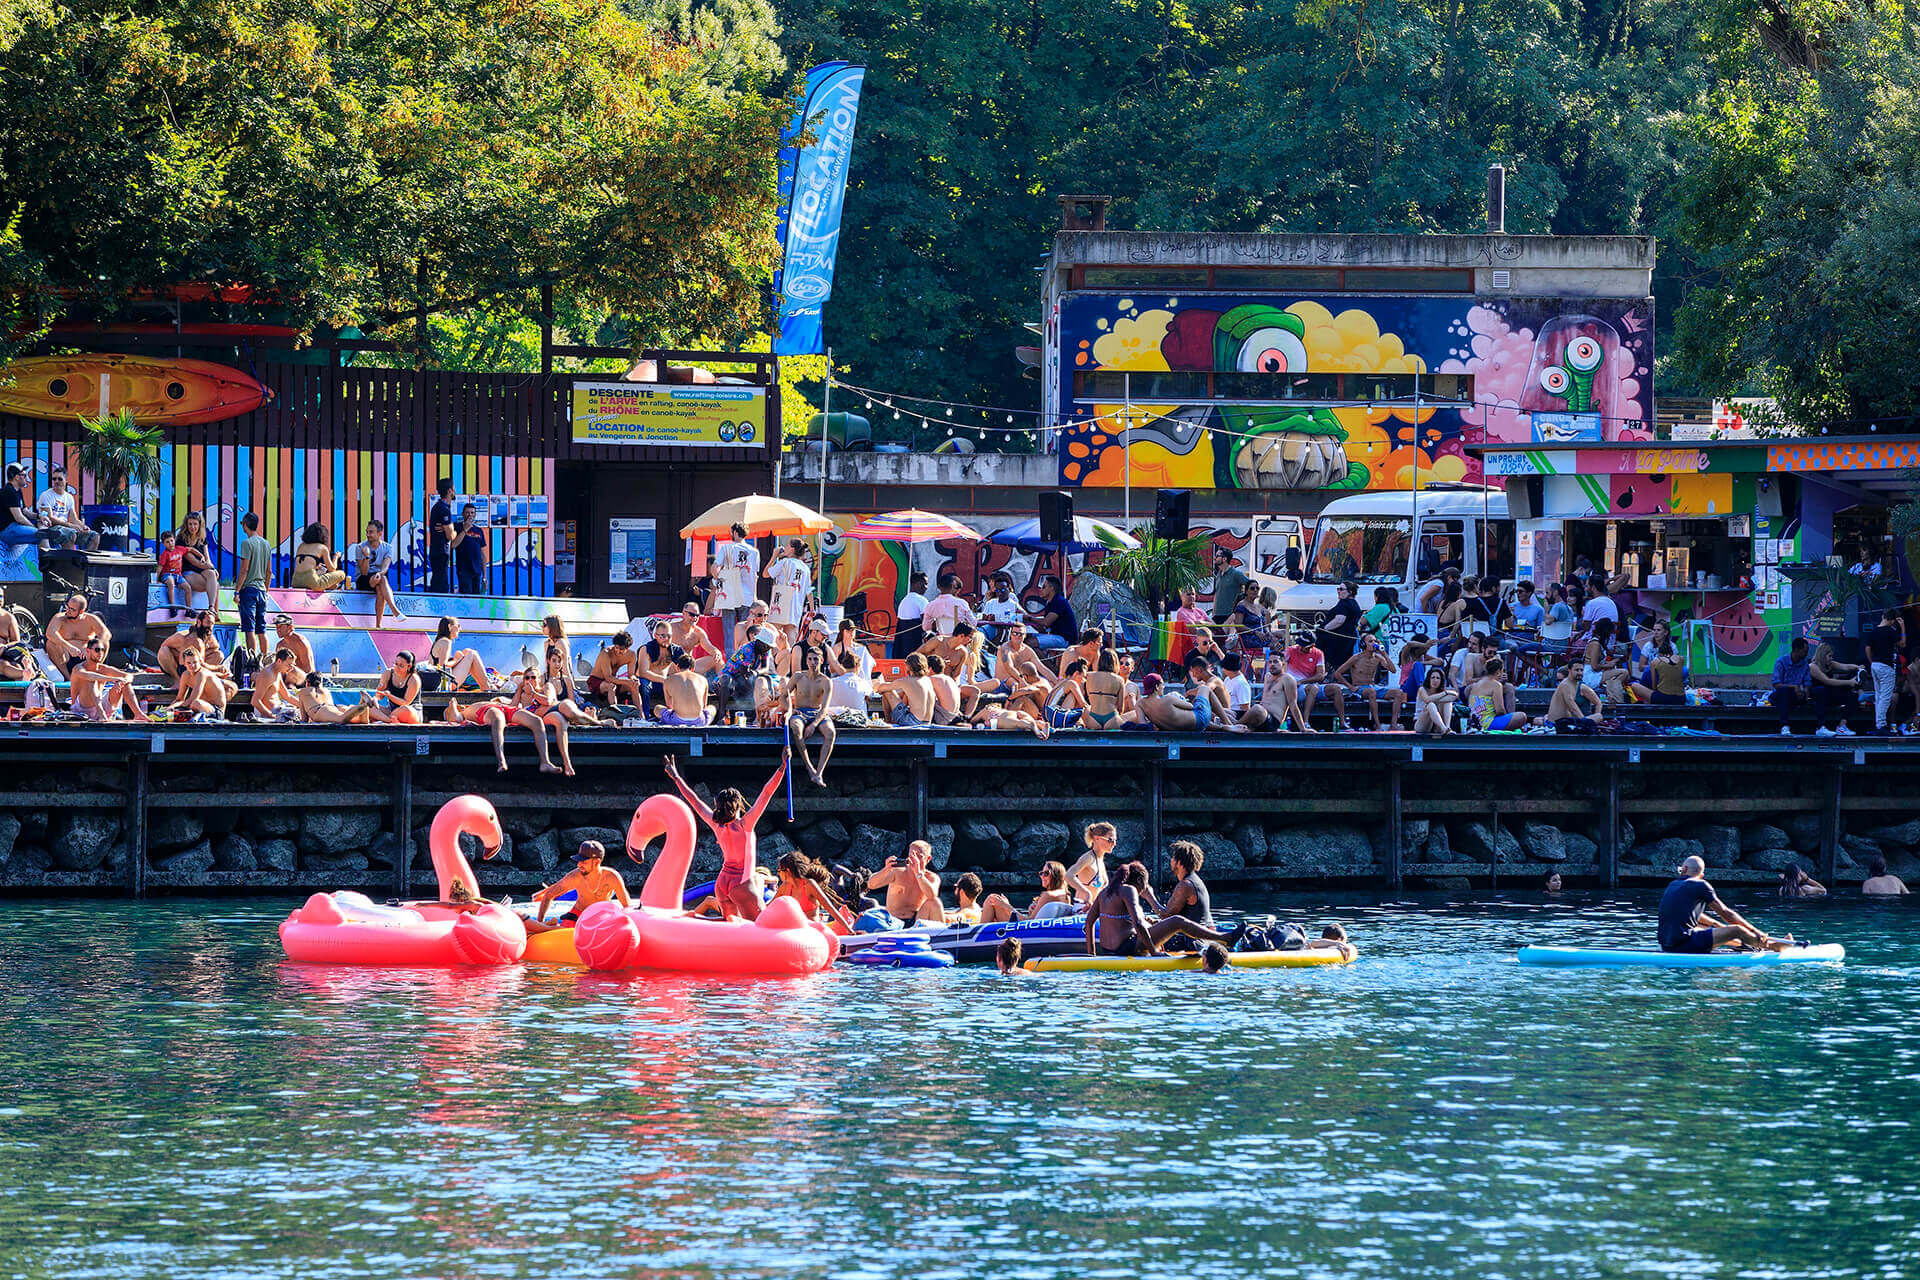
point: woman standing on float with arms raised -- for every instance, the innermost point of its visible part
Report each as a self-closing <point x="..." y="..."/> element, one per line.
<point x="732" y="823"/>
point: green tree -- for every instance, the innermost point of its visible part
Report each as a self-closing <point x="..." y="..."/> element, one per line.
<point x="1801" y="208"/>
<point x="369" y="161"/>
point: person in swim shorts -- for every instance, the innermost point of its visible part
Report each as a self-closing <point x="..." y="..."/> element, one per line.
<point x="591" y="882"/>
<point x="807" y="712"/>
<point x="685" y="694"/>
<point x="1690" y="900"/>
<point x="732" y="823"/>
<point x="1487" y="702"/>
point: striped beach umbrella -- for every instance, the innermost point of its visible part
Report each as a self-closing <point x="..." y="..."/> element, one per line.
<point x="910" y="526"/>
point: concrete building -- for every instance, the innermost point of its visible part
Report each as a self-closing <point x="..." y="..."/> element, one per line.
<point x="1302" y="365"/>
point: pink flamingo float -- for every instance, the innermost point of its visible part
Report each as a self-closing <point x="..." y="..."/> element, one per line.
<point x="351" y="928"/>
<point x="659" y="934"/>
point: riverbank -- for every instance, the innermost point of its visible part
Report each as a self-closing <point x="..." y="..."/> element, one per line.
<point x="230" y="808"/>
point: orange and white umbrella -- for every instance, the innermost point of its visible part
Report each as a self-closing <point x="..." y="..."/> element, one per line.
<point x="761" y="516"/>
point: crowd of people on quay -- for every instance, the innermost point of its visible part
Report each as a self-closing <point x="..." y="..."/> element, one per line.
<point x="754" y="648"/>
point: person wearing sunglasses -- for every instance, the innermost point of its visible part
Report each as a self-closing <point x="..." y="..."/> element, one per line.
<point x="101" y="692"/>
<point x="689" y="635"/>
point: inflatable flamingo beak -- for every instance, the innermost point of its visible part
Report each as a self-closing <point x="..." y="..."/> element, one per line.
<point x="491" y="851"/>
<point x="638" y="855"/>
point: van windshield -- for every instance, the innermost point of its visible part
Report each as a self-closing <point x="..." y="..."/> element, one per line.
<point x="1368" y="549"/>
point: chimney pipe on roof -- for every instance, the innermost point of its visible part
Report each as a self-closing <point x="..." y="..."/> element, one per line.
<point x="1496" y="199"/>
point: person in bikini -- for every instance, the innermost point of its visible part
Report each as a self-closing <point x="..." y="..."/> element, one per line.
<point x="909" y="700"/>
<point x="67" y="635"/>
<point x="200" y="691"/>
<point x="684" y="695"/>
<point x="463" y="667"/>
<point x="532" y="695"/>
<point x="807" y="712"/>
<point x="1109" y="700"/>
<point x="318" y="707"/>
<point x="1052" y="900"/>
<point x="613" y="673"/>
<point x="16" y="660"/>
<point x="101" y="692"/>
<point x="913" y="887"/>
<point x="497" y="713"/>
<point x="1089" y="875"/>
<point x="271" y="700"/>
<point x="732" y="823"/>
<point x="590" y="880"/>
<point x="1117" y="923"/>
<point x="563" y="692"/>
<point x="1487" y="702"/>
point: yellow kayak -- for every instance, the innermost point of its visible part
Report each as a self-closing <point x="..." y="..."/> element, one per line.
<point x="1189" y="960"/>
<point x="555" y="946"/>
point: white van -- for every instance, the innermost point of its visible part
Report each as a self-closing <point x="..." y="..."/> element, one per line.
<point x="1382" y="540"/>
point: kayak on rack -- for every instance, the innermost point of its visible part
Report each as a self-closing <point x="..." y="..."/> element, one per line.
<point x="1826" y="953"/>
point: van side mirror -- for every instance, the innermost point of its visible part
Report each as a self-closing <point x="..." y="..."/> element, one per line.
<point x="1293" y="564"/>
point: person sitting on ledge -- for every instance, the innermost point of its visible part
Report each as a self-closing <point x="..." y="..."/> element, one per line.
<point x="1836" y="688"/>
<point x="200" y="691"/>
<point x="1690" y="900"/>
<point x="683" y="702"/>
<point x="1792" y="683"/>
<point x="101" y="692"/>
<point x="1435" y="712"/>
<point x="1371" y="674"/>
<point x="807" y="712"/>
<point x="318" y="707"/>
<point x="285" y="637"/>
<point x="1489" y="702"/>
<point x="909" y="700"/>
<point x="1568" y="694"/>
<point x="1172" y="713"/>
<point x="591" y="881"/>
<point x="271" y="694"/>
<point x="1879" y="884"/>
<point x="313" y="566"/>
<point x="68" y="634"/>
<point x="372" y="562"/>
<point x="16" y="660"/>
<point x="613" y="673"/>
<point x="397" y="700"/>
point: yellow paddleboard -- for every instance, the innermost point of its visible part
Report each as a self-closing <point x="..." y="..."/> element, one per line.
<point x="555" y="946"/>
<point x="1162" y="964"/>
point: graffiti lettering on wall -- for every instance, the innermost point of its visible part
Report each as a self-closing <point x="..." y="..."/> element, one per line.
<point x="869" y="579"/>
<point x="339" y="488"/>
<point x="1243" y="359"/>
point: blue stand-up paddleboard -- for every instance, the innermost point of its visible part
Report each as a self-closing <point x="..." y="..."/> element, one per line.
<point x="1828" y="953"/>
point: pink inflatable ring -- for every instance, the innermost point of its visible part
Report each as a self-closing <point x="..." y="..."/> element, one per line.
<point x="658" y="934"/>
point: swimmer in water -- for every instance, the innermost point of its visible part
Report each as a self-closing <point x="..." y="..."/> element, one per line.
<point x="1334" y="938"/>
<point x="1213" y="958"/>
<point x="1009" y="957"/>
<point x="591" y="882"/>
<point x="732" y="823"/>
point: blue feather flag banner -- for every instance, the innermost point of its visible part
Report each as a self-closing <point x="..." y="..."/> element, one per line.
<point x="813" y="192"/>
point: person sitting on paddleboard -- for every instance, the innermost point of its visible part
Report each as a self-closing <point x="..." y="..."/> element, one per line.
<point x="732" y="823"/>
<point x="591" y="883"/>
<point x="1117" y="925"/>
<point x="1688" y="901"/>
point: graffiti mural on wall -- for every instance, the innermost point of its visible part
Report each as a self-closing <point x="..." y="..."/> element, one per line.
<point x="1532" y="365"/>
<point x="339" y="488"/>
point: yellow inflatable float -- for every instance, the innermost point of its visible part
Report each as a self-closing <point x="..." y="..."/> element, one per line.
<point x="555" y="946"/>
<point x="1163" y="964"/>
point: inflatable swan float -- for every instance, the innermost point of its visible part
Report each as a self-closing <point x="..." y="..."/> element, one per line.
<point x="351" y="928"/>
<point x="659" y="934"/>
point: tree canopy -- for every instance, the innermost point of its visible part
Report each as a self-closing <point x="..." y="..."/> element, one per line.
<point x="359" y="161"/>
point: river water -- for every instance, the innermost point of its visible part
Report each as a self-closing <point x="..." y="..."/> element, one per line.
<point x="175" y="1099"/>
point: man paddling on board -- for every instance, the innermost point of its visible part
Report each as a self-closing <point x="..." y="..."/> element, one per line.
<point x="1689" y="900"/>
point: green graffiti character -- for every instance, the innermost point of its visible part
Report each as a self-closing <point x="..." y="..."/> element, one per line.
<point x="1572" y="379"/>
<point x="1275" y="446"/>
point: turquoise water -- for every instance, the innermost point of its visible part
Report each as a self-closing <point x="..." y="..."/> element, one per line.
<point x="177" y="1100"/>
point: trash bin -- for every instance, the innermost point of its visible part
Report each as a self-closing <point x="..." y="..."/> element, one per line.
<point x="116" y="587"/>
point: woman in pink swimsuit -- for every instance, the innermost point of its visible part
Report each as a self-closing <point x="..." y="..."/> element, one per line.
<point x="732" y="823"/>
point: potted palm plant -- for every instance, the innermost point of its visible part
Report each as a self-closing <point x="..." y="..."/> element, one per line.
<point x="116" y="450"/>
<point x="1159" y="569"/>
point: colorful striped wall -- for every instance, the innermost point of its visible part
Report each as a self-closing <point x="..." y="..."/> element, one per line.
<point x="340" y="488"/>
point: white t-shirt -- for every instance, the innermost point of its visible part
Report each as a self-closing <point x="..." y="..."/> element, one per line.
<point x="56" y="506"/>
<point x="1600" y="607"/>
<point x="850" y="692"/>
<point x="1239" y="692"/>
<point x="943" y="612"/>
<point x="737" y="565"/>
<point x="1001" y="612"/>
<point x="861" y="654"/>
<point x="791" y="579"/>
<point x="912" y="605"/>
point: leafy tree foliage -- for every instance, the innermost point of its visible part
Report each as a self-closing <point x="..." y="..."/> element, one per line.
<point x="363" y="161"/>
